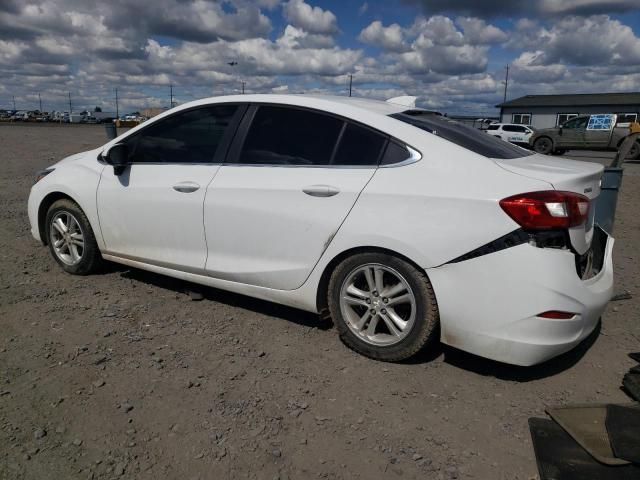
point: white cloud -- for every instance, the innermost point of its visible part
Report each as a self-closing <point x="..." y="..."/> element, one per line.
<point x="311" y="19"/>
<point x="478" y="31"/>
<point x="389" y="38"/>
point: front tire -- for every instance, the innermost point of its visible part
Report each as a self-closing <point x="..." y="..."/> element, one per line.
<point x="71" y="240"/>
<point x="543" y="145"/>
<point x="634" y="153"/>
<point x="383" y="307"/>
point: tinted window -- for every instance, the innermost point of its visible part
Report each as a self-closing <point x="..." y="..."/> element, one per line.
<point x="467" y="137"/>
<point x="359" y="146"/>
<point x="580" y="122"/>
<point x="189" y="137"/>
<point x="395" y="153"/>
<point x="288" y="136"/>
<point x="513" y="128"/>
<point x="493" y="127"/>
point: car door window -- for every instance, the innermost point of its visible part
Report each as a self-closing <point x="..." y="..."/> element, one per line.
<point x="192" y="136"/>
<point x="513" y="128"/>
<point x="359" y="146"/>
<point x="580" y="122"/>
<point x="290" y="136"/>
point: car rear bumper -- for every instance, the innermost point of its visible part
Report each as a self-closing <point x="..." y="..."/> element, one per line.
<point x="489" y="304"/>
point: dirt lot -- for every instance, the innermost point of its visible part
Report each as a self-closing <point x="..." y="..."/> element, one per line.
<point x="122" y="375"/>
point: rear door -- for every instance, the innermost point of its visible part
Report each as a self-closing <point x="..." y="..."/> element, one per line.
<point x="291" y="179"/>
<point x="598" y="131"/>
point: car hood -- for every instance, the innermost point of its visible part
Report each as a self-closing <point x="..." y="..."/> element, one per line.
<point x="78" y="156"/>
<point x="567" y="175"/>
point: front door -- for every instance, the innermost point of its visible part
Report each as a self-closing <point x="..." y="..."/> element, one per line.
<point x="272" y="210"/>
<point x="153" y="211"/>
<point x="572" y="133"/>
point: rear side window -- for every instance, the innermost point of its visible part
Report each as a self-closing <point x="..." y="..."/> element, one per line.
<point x="359" y="146"/>
<point x="462" y="135"/>
<point x="187" y="137"/>
<point x="493" y="127"/>
<point x="395" y="153"/>
<point x="289" y="136"/>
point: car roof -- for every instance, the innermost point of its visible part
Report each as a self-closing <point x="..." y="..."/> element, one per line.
<point x="320" y="102"/>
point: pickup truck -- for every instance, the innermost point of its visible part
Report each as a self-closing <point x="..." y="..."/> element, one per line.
<point x="589" y="132"/>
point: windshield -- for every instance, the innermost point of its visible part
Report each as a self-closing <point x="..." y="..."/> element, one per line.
<point x="467" y="137"/>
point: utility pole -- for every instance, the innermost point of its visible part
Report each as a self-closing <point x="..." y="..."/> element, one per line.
<point x="70" y="110"/>
<point x="350" y="83"/>
<point x="506" y="84"/>
<point x="243" y="88"/>
<point x="40" y="101"/>
<point x="171" y="96"/>
<point x="14" y="102"/>
<point x="117" y="109"/>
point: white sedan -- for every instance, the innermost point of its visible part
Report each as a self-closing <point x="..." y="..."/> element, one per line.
<point x="406" y="227"/>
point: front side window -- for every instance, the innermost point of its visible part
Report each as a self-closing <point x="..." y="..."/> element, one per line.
<point x="521" y="118"/>
<point x="563" y="117"/>
<point x="493" y="127"/>
<point x="580" y="122"/>
<point x="192" y="136"/>
<point x="514" y="128"/>
<point x="290" y="136"/>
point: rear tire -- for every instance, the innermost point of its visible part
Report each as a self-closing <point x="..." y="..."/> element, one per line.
<point x="70" y="238"/>
<point x="543" y="145"/>
<point x="389" y="313"/>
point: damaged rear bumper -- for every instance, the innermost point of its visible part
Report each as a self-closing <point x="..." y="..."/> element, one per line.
<point x="489" y="304"/>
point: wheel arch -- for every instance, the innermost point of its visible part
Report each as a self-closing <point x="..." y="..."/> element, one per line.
<point x="43" y="208"/>
<point x="323" y="284"/>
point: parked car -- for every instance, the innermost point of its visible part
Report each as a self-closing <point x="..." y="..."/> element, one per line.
<point x="404" y="226"/>
<point x="511" y="132"/>
<point x="575" y="134"/>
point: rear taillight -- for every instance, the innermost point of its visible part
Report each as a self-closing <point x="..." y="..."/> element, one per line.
<point x="548" y="210"/>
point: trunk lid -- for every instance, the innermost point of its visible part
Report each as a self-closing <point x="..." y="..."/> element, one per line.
<point x="565" y="175"/>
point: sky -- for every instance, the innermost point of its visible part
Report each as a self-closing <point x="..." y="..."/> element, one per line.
<point x="451" y="54"/>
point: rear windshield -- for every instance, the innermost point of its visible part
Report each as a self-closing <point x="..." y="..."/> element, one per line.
<point x="467" y="137"/>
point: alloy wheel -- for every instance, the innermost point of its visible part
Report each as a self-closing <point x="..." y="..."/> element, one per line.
<point x="378" y="304"/>
<point x="67" y="238"/>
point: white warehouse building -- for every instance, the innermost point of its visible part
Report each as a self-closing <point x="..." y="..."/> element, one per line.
<point x="547" y="111"/>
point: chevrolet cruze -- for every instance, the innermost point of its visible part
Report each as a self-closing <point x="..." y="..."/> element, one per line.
<point x="403" y="226"/>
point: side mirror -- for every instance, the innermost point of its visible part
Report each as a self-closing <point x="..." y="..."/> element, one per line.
<point x="118" y="156"/>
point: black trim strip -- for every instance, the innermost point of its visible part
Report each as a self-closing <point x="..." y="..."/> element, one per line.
<point x="517" y="237"/>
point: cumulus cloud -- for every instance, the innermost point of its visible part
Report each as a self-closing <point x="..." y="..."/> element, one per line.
<point x="310" y="19"/>
<point x="389" y="38"/>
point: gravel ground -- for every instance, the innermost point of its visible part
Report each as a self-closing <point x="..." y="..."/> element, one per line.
<point x="123" y="375"/>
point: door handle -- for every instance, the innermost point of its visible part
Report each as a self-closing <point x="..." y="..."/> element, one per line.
<point x="186" y="187"/>
<point x="321" y="190"/>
